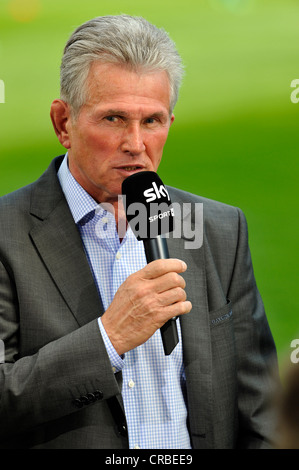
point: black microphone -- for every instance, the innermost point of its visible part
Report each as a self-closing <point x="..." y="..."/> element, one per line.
<point x="146" y="195"/>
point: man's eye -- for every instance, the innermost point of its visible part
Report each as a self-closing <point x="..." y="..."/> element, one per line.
<point x="151" y="121"/>
<point x="111" y="118"/>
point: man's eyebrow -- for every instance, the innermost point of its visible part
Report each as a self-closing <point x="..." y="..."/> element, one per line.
<point x="116" y="112"/>
<point x="119" y="112"/>
<point x="158" y="114"/>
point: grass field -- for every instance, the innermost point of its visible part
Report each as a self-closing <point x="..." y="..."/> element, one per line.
<point x="236" y="133"/>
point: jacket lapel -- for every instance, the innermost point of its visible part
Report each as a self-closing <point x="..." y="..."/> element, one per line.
<point x="195" y="330"/>
<point x="58" y="242"/>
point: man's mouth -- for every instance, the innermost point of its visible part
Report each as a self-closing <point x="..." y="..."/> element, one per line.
<point x="131" y="168"/>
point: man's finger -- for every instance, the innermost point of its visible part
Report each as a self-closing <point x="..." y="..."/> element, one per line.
<point x="168" y="281"/>
<point x="178" y="308"/>
<point x="172" y="296"/>
<point x="163" y="266"/>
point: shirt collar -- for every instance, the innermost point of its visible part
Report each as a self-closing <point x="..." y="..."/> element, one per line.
<point x="81" y="204"/>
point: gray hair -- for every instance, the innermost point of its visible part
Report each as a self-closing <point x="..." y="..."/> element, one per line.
<point x="131" y="41"/>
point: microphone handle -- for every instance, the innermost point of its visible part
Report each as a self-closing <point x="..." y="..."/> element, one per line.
<point x="156" y="248"/>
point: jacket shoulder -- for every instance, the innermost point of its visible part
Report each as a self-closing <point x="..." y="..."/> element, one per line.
<point x="16" y="201"/>
<point x="41" y="190"/>
<point x="212" y="209"/>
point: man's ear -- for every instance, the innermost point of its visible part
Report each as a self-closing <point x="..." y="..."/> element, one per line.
<point x="171" y="119"/>
<point x="61" y="116"/>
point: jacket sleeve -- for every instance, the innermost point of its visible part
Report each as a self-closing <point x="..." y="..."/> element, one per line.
<point x="49" y="384"/>
<point x="256" y="353"/>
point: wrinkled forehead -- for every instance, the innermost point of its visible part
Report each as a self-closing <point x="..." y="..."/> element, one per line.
<point x="114" y="78"/>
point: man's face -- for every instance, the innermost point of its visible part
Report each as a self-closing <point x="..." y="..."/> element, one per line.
<point x="120" y="130"/>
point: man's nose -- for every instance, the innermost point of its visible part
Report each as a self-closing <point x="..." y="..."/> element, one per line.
<point x="133" y="140"/>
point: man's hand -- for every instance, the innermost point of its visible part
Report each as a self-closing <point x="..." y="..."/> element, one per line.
<point x="144" y="302"/>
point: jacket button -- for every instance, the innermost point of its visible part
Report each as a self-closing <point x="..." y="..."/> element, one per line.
<point x="84" y="400"/>
<point x="98" y="394"/>
<point x="91" y="397"/>
<point x="78" y="403"/>
<point x="122" y="429"/>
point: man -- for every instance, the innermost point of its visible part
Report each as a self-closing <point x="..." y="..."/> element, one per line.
<point x="80" y="313"/>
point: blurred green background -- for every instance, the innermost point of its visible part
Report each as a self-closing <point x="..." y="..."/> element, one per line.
<point x="235" y="137"/>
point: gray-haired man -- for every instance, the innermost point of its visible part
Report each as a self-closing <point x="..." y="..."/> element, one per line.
<point x="80" y="314"/>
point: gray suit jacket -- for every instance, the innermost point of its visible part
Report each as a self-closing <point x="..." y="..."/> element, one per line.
<point x="57" y="388"/>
